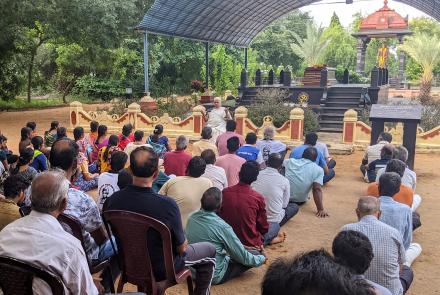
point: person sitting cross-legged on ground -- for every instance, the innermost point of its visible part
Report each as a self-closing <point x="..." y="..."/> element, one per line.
<point x="176" y="162"/>
<point x="268" y="145"/>
<point x="387" y="267"/>
<point x="230" y="162"/>
<point x="245" y="210"/>
<point x="353" y="250"/>
<point x="249" y="151"/>
<point x="13" y="189"/>
<point x="105" y="153"/>
<point x="81" y="206"/>
<point x="397" y="215"/>
<point x="386" y="154"/>
<point x="275" y="188"/>
<point x="232" y="259"/>
<point x="312" y="273"/>
<point x="405" y="194"/>
<point x="204" y="143"/>
<point x="138" y="141"/>
<point x="310" y="141"/>
<point x="140" y="198"/>
<point x="108" y="181"/>
<point x="409" y="177"/>
<point x="222" y="139"/>
<point x="214" y="173"/>
<point x="373" y="152"/>
<point x="323" y="149"/>
<point x="306" y="176"/>
<point x="39" y="238"/>
<point x="188" y="190"/>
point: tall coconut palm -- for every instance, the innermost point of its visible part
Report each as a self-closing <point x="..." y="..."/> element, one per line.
<point x="425" y="50"/>
<point x="311" y="49"/>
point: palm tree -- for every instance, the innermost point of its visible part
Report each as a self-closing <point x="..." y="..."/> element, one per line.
<point x="425" y="50"/>
<point x="311" y="49"/>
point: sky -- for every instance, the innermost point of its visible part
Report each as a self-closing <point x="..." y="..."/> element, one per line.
<point x="322" y="11"/>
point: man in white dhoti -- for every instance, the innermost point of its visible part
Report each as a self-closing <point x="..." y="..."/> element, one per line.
<point x="216" y="119"/>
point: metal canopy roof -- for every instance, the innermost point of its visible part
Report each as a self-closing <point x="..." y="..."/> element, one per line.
<point x="234" y="22"/>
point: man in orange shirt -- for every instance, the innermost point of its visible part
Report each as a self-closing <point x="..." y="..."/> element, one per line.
<point x="405" y="194"/>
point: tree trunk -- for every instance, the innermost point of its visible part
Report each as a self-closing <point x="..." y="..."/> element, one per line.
<point x="425" y="92"/>
<point x="68" y="88"/>
<point x="30" y="68"/>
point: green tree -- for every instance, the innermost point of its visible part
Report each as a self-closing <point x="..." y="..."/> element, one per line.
<point x="425" y="50"/>
<point x="72" y="62"/>
<point x="341" y="49"/>
<point x="272" y="45"/>
<point x="311" y="48"/>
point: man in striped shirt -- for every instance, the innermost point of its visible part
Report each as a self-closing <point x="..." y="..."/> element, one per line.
<point x="387" y="267"/>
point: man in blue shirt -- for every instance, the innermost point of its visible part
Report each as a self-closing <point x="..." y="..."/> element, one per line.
<point x="249" y="151"/>
<point x="232" y="258"/>
<point x="310" y="141"/>
<point x="396" y="214"/>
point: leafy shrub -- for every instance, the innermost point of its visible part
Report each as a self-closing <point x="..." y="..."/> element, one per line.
<point x="197" y="85"/>
<point x="354" y="78"/>
<point x="174" y="107"/>
<point x="271" y="102"/>
<point x="97" y="88"/>
<point x="430" y="115"/>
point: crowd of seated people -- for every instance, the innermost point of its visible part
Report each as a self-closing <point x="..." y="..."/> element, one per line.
<point x="223" y="203"/>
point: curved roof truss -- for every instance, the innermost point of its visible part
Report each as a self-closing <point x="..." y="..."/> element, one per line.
<point x="234" y="22"/>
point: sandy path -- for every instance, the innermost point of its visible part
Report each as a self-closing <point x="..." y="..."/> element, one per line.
<point x="305" y="231"/>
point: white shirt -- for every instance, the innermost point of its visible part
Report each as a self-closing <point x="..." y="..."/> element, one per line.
<point x="39" y="239"/>
<point x="409" y="178"/>
<point x="275" y="189"/>
<point x="217" y="175"/>
<point x="373" y="151"/>
<point x="107" y="185"/>
<point x="268" y="147"/>
<point x="322" y="147"/>
<point x="131" y="146"/>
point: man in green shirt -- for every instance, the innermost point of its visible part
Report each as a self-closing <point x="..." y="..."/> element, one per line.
<point x="232" y="258"/>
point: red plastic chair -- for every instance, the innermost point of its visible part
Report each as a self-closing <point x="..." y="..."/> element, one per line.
<point x="16" y="277"/>
<point x="131" y="231"/>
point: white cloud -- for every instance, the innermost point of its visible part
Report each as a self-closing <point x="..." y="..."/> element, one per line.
<point x="322" y="11"/>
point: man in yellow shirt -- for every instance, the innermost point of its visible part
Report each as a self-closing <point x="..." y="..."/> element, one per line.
<point x="204" y="143"/>
<point x="14" y="187"/>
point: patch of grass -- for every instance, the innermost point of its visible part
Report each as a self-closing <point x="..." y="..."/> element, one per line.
<point x="38" y="103"/>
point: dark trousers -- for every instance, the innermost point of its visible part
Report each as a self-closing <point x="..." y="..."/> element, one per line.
<point x="363" y="170"/>
<point x="274" y="228"/>
<point x="416" y="220"/>
<point x="235" y="269"/>
<point x="406" y="278"/>
<point x="329" y="176"/>
<point x="331" y="164"/>
<point x="291" y="211"/>
<point x="201" y="257"/>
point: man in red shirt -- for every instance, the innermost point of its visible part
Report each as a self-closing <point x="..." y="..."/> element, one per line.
<point x="126" y="136"/>
<point x="176" y="162"/>
<point x="222" y="140"/>
<point x="245" y="210"/>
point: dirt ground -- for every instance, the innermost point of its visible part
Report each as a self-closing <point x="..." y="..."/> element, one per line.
<point x="305" y="231"/>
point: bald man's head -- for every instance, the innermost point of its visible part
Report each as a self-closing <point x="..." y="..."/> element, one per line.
<point x="368" y="206"/>
<point x="144" y="162"/>
<point x="63" y="154"/>
<point x="49" y="191"/>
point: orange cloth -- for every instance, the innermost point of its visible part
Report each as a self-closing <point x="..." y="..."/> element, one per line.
<point x="404" y="196"/>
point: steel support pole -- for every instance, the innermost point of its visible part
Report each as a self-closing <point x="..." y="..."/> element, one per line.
<point x="246" y="58"/>
<point x="146" y="81"/>
<point x="207" y="65"/>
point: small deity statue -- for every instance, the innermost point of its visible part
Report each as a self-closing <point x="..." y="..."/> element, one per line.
<point x="382" y="56"/>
